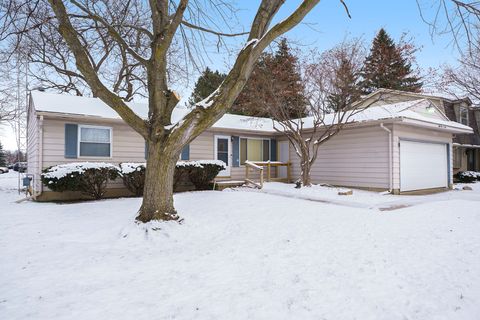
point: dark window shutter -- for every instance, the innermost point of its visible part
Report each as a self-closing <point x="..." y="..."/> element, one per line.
<point x="273" y="149"/>
<point x="185" y="153"/>
<point x="71" y="140"/>
<point x="235" y="151"/>
<point x="146" y="150"/>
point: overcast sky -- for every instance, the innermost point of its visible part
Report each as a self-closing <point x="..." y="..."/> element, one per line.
<point x="328" y="24"/>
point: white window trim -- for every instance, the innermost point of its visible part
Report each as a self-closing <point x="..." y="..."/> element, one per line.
<point x="254" y="138"/>
<point x="80" y="126"/>
<point x="464" y="109"/>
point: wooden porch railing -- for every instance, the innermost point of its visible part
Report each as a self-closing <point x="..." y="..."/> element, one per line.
<point x="250" y="165"/>
<point x="259" y="165"/>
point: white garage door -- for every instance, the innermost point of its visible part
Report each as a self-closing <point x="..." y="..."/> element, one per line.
<point x="423" y="165"/>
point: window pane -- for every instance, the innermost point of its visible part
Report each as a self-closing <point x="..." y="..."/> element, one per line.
<point x="222" y="150"/>
<point x="223" y="156"/>
<point x="243" y="151"/>
<point x="95" y="135"/>
<point x="254" y="150"/>
<point x="222" y="145"/>
<point x="88" y="149"/>
<point x="266" y="150"/>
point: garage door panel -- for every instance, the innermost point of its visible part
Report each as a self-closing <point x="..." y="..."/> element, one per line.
<point x="423" y="165"/>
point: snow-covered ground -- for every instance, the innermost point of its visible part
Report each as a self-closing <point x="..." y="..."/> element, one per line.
<point x="242" y="255"/>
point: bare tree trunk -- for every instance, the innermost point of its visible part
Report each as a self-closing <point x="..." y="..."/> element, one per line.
<point x="158" y="191"/>
<point x="305" y="175"/>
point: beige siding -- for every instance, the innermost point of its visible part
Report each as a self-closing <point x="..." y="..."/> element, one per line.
<point x="354" y="157"/>
<point x="419" y="134"/>
<point x="33" y="145"/>
<point x="202" y="148"/>
<point x="127" y="145"/>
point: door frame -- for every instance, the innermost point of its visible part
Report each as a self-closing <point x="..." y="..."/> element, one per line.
<point x="226" y="172"/>
<point x="282" y="171"/>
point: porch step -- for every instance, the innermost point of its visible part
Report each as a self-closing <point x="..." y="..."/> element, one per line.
<point x="223" y="184"/>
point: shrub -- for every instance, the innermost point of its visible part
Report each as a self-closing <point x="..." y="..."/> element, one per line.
<point x="87" y="177"/>
<point x="201" y="173"/>
<point x="133" y="176"/>
<point x="180" y="174"/>
<point x="467" y="176"/>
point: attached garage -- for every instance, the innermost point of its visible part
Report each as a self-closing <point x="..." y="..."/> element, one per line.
<point x="423" y="165"/>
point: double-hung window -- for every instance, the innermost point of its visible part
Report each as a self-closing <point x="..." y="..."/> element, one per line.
<point x="464" y="115"/>
<point x="94" y="141"/>
<point x="254" y="150"/>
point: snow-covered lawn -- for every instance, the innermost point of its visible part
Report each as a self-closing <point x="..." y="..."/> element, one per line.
<point x="242" y="255"/>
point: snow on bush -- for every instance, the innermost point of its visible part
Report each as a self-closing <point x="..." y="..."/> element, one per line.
<point x="90" y="178"/>
<point x="472" y="174"/>
<point x="129" y="167"/>
<point x="201" y="163"/>
<point x="201" y="176"/>
<point x="200" y="173"/>
<point x="468" y="176"/>
<point x="133" y="176"/>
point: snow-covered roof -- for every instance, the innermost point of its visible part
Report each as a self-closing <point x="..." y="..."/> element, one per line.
<point x="402" y="110"/>
<point x="84" y="106"/>
<point x="444" y="95"/>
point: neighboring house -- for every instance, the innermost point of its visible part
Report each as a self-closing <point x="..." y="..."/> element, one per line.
<point x="399" y="147"/>
<point x="466" y="147"/>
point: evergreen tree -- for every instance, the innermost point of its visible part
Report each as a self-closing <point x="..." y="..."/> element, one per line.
<point x="3" y="160"/>
<point x="207" y="83"/>
<point x="345" y="85"/>
<point x="388" y="66"/>
<point x="275" y="80"/>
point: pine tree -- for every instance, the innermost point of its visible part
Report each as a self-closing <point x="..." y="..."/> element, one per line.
<point x="388" y="66"/>
<point x="275" y="80"/>
<point x="3" y="160"/>
<point x="345" y="85"/>
<point x="207" y="82"/>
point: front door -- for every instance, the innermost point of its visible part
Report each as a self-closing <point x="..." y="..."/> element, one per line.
<point x="471" y="159"/>
<point x="223" y="152"/>
<point x="283" y="150"/>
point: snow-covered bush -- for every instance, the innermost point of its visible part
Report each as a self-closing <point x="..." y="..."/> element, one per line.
<point x="201" y="173"/>
<point x="90" y="178"/>
<point x="133" y="176"/>
<point x="467" y="176"/>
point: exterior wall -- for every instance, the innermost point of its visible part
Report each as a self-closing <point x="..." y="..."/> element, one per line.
<point x="202" y="148"/>
<point x="127" y="146"/>
<point x="356" y="157"/>
<point x="408" y="132"/>
<point x="33" y="149"/>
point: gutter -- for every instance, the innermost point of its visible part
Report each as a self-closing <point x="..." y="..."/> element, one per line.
<point x="469" y="146"/>
<point x="390" y="156"/>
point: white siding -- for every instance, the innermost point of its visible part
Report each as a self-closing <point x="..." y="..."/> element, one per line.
<point x="418" y="134"/>
<point x="33" y="145"/>
<point x="354" y="157"/>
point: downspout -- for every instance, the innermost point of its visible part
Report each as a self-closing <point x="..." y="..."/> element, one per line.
<point x="390" y="157"/>
<point x="40" y="155"/>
